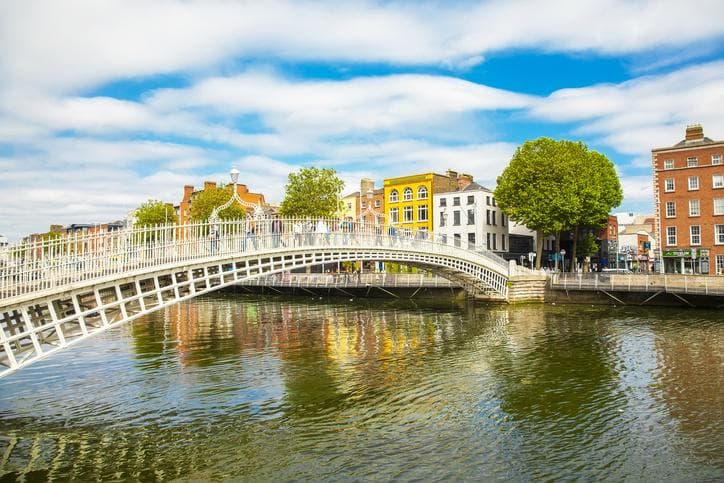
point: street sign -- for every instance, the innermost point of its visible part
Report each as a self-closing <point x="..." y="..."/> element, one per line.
<point x="563" y="252"/>
<point x="531" y="256"/>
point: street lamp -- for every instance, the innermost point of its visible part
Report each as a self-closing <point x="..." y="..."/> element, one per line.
<point x="258" y="211"/>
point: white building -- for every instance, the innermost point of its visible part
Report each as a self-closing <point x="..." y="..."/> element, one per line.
<point x="469" y="217"/>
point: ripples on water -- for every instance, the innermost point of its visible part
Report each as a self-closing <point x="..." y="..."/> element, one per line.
<point x="227" y="387"/>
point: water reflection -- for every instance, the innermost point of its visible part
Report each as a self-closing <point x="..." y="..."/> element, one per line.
<point x="224" y="386"/>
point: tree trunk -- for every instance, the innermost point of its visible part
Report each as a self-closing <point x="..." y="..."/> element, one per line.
<point x="558" y="250"/>
<point x="538" y="249"/>
<point x="574" y="263"/>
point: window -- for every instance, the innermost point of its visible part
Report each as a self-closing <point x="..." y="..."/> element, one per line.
<point x="494" y="223"/>
<point x="471" y="241"/>
<point x="694" y="208"/>
<point x="394" y="196"/>
<point x="407" y="214"/>
<point x="502" y="242"/>
<point x="471" y="200"/>
<point x="693" y="183"/>
<point x="692" y="162"/>
<point x="670" y="209"/>
<point x="363" y="205"/>
<point x="421" y="193"/>
<point x="394" y="215"/>
<point x="457" y="237"/>
<point x="502" y="221"/>
<point x="456" y="201"/>
<point x="669" y="185"/>
<point x="494" y="201"/>
<point x="407" y="194"/>
<point x="668" y="164"/>
<point x="443" y="218"/>
<point x="719" y="234"/>
<point x="471" y="217"/>
<point x="495" y="245"/>
<point x="719" y="206"/>
<point x="487" y="200"/>
<point x="456" y="218"/>
<point x="716" y="159"/>
<point x="378" y="203"/>
<point x="422" y="213"/>
<point x="487" y="217"/>
<point x="671" y="236"/>
<point x="443" y="201"/>
<point x="695" y="234"/>
<point x="717" y="181"/>
<point x="720" y="264"/>
<point x="487" y="241"/>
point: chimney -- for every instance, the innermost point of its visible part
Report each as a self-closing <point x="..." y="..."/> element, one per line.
<point x="209" y="185"/>
<point x="464" y="180"/>
<point x="694" y="132"/>
<point x="453" y="175"/>
<point x="188" y="191"/>
<point x="366" y="185"/>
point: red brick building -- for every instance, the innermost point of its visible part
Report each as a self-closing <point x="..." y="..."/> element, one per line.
<point x="689" y="203"/>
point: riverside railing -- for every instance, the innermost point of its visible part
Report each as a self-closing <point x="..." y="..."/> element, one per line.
<point x="349" y="279"/>
<point x="31" y="267"/>
<point x="636" y="282"/>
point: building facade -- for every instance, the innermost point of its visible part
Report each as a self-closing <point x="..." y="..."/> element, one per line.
<point x="689" y="200"/>
<point x="371" y="204"/>
<point x="408" y="200"/>
<point x="184" y="207"/>
<point x="468" y="217"/>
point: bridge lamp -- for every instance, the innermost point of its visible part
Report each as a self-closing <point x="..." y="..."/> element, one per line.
<point x="234" y="173"/>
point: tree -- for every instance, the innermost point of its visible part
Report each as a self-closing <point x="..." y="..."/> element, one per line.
<point x="598" y="189"/>
<point x="205" y="201"/>
<point x="312" y="192"/>
<point x="538" y="186"/>
<point x="550" y="186"/>
<point x="155" y="212"/>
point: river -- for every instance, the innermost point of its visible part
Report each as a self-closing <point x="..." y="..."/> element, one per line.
<point x="242" y="387"/>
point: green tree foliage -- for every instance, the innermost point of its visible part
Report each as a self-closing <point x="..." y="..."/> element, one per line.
<point x="587" y="246"/>
<point x="155" y="212"/>
<point x="312" y="192"/>
<point x="551" y="185"/>
<point x="205" y="201"/>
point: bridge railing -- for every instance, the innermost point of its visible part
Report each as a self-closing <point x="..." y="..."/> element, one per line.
<point x="639" y="282"/>
<point x="31" y="267"/>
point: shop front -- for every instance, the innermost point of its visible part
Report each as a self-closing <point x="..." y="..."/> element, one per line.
<point x="687" y="261"/>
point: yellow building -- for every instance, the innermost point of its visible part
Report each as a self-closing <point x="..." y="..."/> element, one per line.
<point x="349" y="207"/>
<point x="408" y="200"/>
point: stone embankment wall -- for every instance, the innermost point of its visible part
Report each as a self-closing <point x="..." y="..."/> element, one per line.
<point x="527" y="288"/>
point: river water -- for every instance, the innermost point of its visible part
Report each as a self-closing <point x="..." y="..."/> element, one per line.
<point x="232" y="387"/>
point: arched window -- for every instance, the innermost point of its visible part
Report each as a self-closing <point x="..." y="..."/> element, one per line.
<point x="407" y="194"/>
<point x="421" y="193"/>
<point x="393" y="196"/>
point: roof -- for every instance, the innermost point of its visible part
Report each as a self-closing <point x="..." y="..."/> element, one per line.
<point x="693" y="143"/>
<point x="471" y="187"/>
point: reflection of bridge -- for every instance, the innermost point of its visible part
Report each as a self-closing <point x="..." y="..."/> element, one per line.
<point x="57" y="292"/>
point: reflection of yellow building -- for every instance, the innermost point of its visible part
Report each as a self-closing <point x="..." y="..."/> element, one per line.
<point x="408" y="199"/>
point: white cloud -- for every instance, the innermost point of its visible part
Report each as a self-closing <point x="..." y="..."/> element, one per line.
<point x="635" y="116"/>
<point x="332" y="107"/>
<point x="80" y="43"/>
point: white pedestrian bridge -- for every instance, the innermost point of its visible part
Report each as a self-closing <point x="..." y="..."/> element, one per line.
<point x="57" y="292"/>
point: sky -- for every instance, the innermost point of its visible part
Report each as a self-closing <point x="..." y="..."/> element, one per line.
<point x="107" y="103"/>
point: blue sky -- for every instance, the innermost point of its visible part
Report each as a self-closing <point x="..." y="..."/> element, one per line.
<point x="104" y="104"/>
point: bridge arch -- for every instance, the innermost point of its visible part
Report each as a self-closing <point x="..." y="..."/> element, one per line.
<point x="62" y="304"/>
